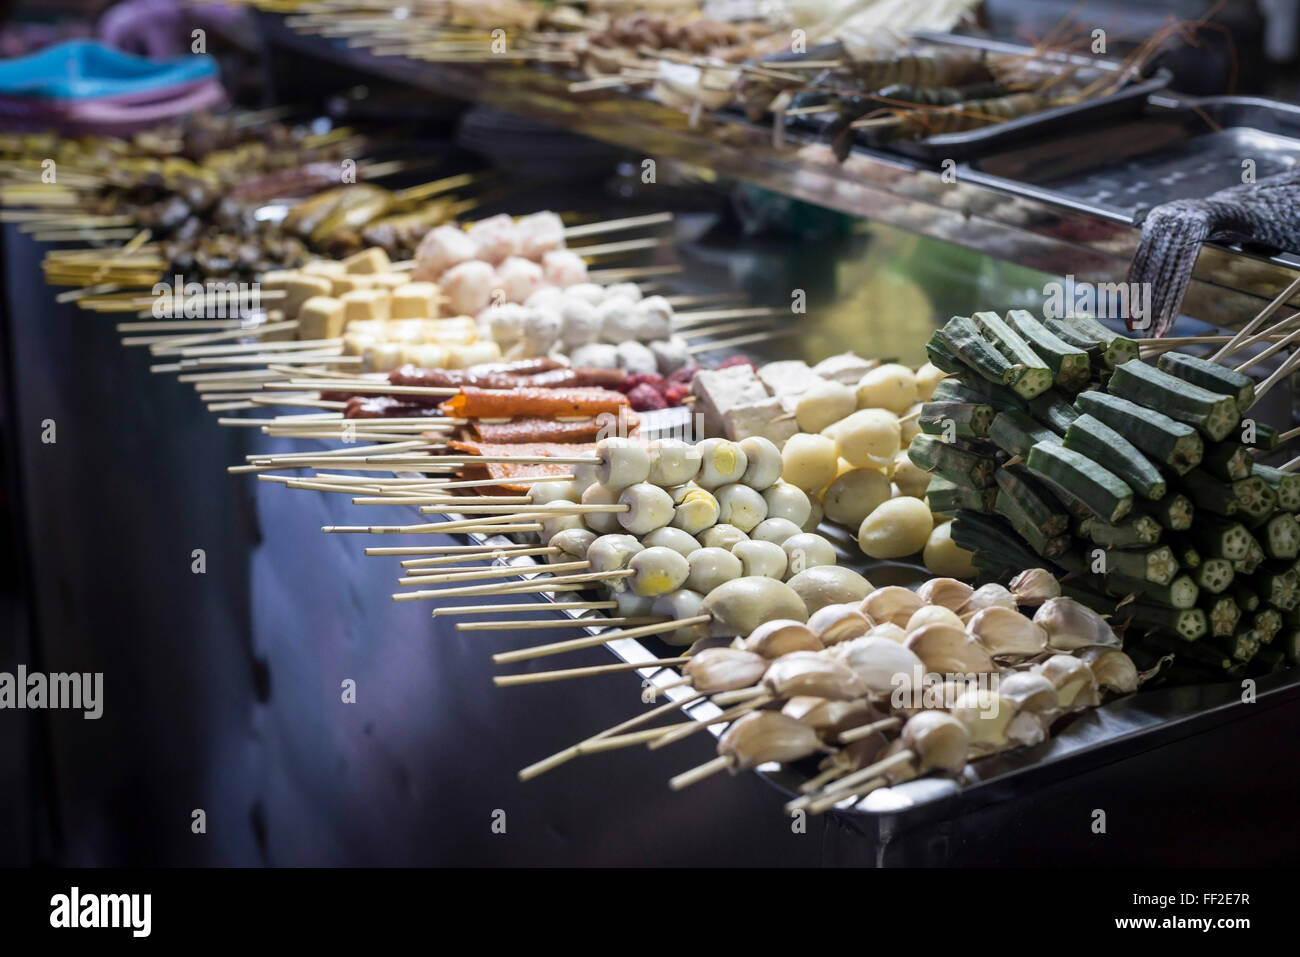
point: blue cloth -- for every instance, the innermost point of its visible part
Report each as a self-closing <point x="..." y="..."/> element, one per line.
<point x="81" y="69"/>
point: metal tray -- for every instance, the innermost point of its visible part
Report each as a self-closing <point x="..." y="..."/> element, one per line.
<point x="1176" y="149"/>
<point x="1127" y="101"/>
<point x="958" y="146"/>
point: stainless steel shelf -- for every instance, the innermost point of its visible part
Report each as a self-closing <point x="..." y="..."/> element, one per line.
<point x="1027" y="227"/>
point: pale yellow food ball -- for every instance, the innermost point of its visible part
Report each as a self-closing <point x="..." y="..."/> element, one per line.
<point x="810" y="461"/>
<point x="890" y="386"/>
<point x="946" y="558"/>
<point x="896" y="528"/>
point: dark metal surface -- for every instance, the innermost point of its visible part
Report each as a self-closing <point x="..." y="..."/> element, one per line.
<point x="1179" y="149"/>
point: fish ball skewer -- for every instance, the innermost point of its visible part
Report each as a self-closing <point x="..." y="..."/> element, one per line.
<point x="674" y="538"/>
<point x="695" y="510"/>
<point x="673" y="462"/>
<point x="649" y="508"/>
<point x="762" y="558"/>
<point x="741" y="506"/>
<point x="723" y="462"/>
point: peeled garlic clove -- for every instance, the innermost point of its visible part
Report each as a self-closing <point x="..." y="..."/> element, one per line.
<point x="829" y="717"/>
<point x="763" y="736"/>
<point x="1030" y="691"/>
<point x="946" y="650"/>
<point x="836" y="623"/>
<point x="1070" y="625"/>
<point x="1035" y="586"/>
<point x="772" y="639"/>
<point x="1026" y="729"/>
<point x="948" y="592"/>
<point x="885" y="666"/>
<point x="985" y="715"/>
<point x="940" y="741"/>
<point x="988" y="596"/>
<point x="812" y="673"/>
<point x="893" y="603"/>
<point x="888" y="630"/>
<point x="1004" y="631"/>
<point x="1112" y="669"/>
<point x="933" y="615"/>
<point x="1076" y="688"/>
<point x="724" y="669"/>
<point x="800" y="707"/>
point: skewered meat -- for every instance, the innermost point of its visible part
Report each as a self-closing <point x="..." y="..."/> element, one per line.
<point x="530" y="401"/>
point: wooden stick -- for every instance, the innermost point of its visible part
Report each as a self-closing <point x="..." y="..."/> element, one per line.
<point x="867" y="730"/>
<point x="540" y="677"/>
<point x="1280" y="344"/>
<point x="742" y="340"/>
<point x="857" y="793"/>
<point x="524" y="625"/>
<point x="1263" y="316"/>
<point x="486" y="483"/>
<point x="468" y="524"/>
<point x="518" y="552"/>
<point x="540" y="584"/>
<point x="550" y="508"/>
<point x="731" y="714"/>
<point x="559" y="647"/>
<point x="560" y="757"/>
<point x="546" y="606"/>
<point x="697" y="774"/>
<point x="626" y="740"/>
<point x="614" y="225"/>
<point x="483" y="551"/>
<point x="1282" y="371"/>
<point x="500" y="571"/>
<point x="710" y="315"/>
<point x="844" y="785"/>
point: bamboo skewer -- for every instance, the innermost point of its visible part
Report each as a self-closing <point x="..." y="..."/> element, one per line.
<point x="592" y="641"/>
<point x="1263" y="316"/>
<point x="540" y="677"/>
<point x="573" y="751"/>
<point x="546" y="606"/>
<point x="522" y="625"/>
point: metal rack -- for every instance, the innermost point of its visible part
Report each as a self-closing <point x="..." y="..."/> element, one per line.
<point x="998" y="217"/>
